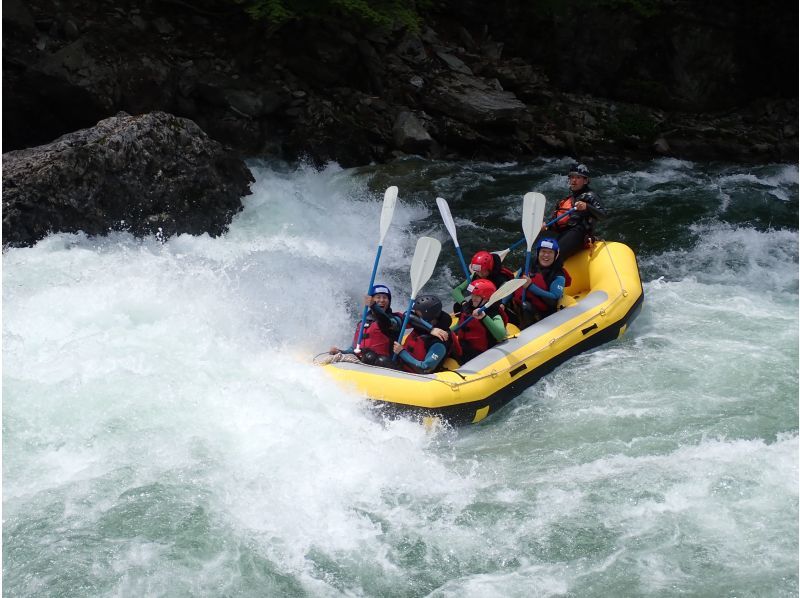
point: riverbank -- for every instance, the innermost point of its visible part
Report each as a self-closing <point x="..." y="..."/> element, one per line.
<point x="330" y="90"/>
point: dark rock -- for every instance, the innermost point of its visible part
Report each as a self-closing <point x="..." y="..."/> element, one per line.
<point x="410" y="135"/>
<point x="153" y="173"/>
<point x="530" y="78"/>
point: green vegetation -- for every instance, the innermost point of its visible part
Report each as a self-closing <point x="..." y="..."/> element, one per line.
<point x="376" y="12"/>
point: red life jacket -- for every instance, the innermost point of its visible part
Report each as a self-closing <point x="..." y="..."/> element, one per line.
<point x="473" y="334"/>
<point x="374" y="339"/>
<point x="540" y="281"/>
<point x="418" y="346"/>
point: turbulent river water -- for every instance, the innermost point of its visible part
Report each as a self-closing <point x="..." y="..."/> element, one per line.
<point x="164" y="433"/>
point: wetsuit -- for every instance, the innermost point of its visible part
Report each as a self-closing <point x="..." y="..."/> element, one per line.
<point x="541" y="297"/>
<point x="422" y="352"/>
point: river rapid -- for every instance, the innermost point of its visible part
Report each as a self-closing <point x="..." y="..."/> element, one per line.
<point x="165" y="434"/>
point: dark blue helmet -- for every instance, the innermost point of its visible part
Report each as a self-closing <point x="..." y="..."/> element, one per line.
<point x="381" y="288"/>
<point x="579" y="170"/>
<point x="547" y="243"/>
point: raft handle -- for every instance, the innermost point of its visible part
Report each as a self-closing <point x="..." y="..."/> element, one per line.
<point x="589" y="329"/>
<point x="517" y="370"/>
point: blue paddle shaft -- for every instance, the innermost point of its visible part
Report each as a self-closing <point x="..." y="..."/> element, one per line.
<point x="369" y="290"/>
<point x="463" y="263"/>
<point x="403" y="327"/>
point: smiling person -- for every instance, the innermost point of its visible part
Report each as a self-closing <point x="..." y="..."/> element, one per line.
<point x="544" y="287"/>
<point x="381" y="328"/>
<point x="575" y="231"/>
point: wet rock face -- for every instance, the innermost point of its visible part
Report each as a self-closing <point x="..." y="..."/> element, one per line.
<point x="479" y="81"/>
<point x="147" y="174"/>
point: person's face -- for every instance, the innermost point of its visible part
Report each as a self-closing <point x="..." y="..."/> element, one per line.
<point x="577" y="182"/>
<point x="546" y="257"/>
<point x="479" y="271"/>
<point x="477" y="301"/>
<point x="382" y="300"/>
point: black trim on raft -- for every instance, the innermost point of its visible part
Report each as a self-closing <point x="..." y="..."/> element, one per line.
<point x="586" y="331"/>
<point x="462" y="414"/>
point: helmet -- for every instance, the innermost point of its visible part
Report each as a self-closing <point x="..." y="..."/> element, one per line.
<point x="482" y="288"/>
<point x="579" y="169"/>
<point x="547" y="243"/>
<point x="429" y="306"/>
<point x="482" y="260"/>
<point x="381" y="288"/>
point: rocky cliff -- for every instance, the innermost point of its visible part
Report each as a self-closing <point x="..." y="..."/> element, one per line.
<point x="480" y="80"/>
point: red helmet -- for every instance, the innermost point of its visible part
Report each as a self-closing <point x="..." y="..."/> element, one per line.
<point x="481" y="261"/>
<point x="482" y="288"/>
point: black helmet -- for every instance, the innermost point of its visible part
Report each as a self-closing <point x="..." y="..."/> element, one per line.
<point x="579" y="169"/>
<point x="429" y="306"/>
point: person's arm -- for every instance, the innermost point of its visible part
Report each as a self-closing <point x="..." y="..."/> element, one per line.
<point x="552" y="296"/>
<point x="495" y="326"/>
<point x="387" y="322"/>
<point x="433" y="358"/>
<point x="458" y="293"/>
<point x="593" y="205"/>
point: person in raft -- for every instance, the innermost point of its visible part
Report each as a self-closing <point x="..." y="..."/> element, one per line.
<point x="576" y="231"/>
<point x="429" y="342"/>
<point x="544" y="287"/>
<point x="484" y="265"/>
<point x="486" y="328"/>
<point x="381" y="328"/>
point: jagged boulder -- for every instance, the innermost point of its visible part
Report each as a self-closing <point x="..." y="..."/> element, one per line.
<point x="152" y="173"/>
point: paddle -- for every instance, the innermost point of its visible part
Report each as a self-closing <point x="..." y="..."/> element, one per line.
<point x="389" y="200"/>
<point x="506" y="289"/>
<point x="502" y="254"/>
<point x="532" y="216"/>
<point x="425" y="255"/>
<point x="444" y="210"/>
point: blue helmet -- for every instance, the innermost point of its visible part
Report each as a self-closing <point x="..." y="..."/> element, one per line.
<point x="547" y="243"/>
<point x="381" y="288"/>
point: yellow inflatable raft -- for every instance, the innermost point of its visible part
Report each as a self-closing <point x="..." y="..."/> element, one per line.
<point x="604" y="297"/>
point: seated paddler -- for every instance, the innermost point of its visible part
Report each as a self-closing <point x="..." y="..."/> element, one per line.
<point x="381" y="328"/>
<point x="428" y="344"/>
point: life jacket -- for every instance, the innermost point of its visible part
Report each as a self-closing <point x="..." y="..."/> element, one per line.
<point x="543" y="281"/>
<point x="564" y="206"/>
<point x="418" y="344"/>
<point x="474" y="336"/>
<point x="375" y="339"/>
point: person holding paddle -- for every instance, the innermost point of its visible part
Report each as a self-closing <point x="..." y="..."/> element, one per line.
<point x="479" y="326"/>
<point x="483" y="266"/>
<point x="382" y="326"/>
<point x="429" y="342"/>
<point x="573" y="220"/>
<point x="543" y="287"/>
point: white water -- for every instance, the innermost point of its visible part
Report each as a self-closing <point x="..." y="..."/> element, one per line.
<point x="165" y="435"/>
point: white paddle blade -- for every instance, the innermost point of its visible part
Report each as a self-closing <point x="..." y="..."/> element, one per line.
<point x="389" y="200"/>
<point x="507" y="288"/>
<point x="502" y="254"/>
<point x="447" y="217"/>
<point x="425" y="256"/>
<point x="533" y="205"/>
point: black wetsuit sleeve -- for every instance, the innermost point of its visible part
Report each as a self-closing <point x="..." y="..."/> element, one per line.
<point x="386" y="322"/>
<point x="593" y="205"/>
